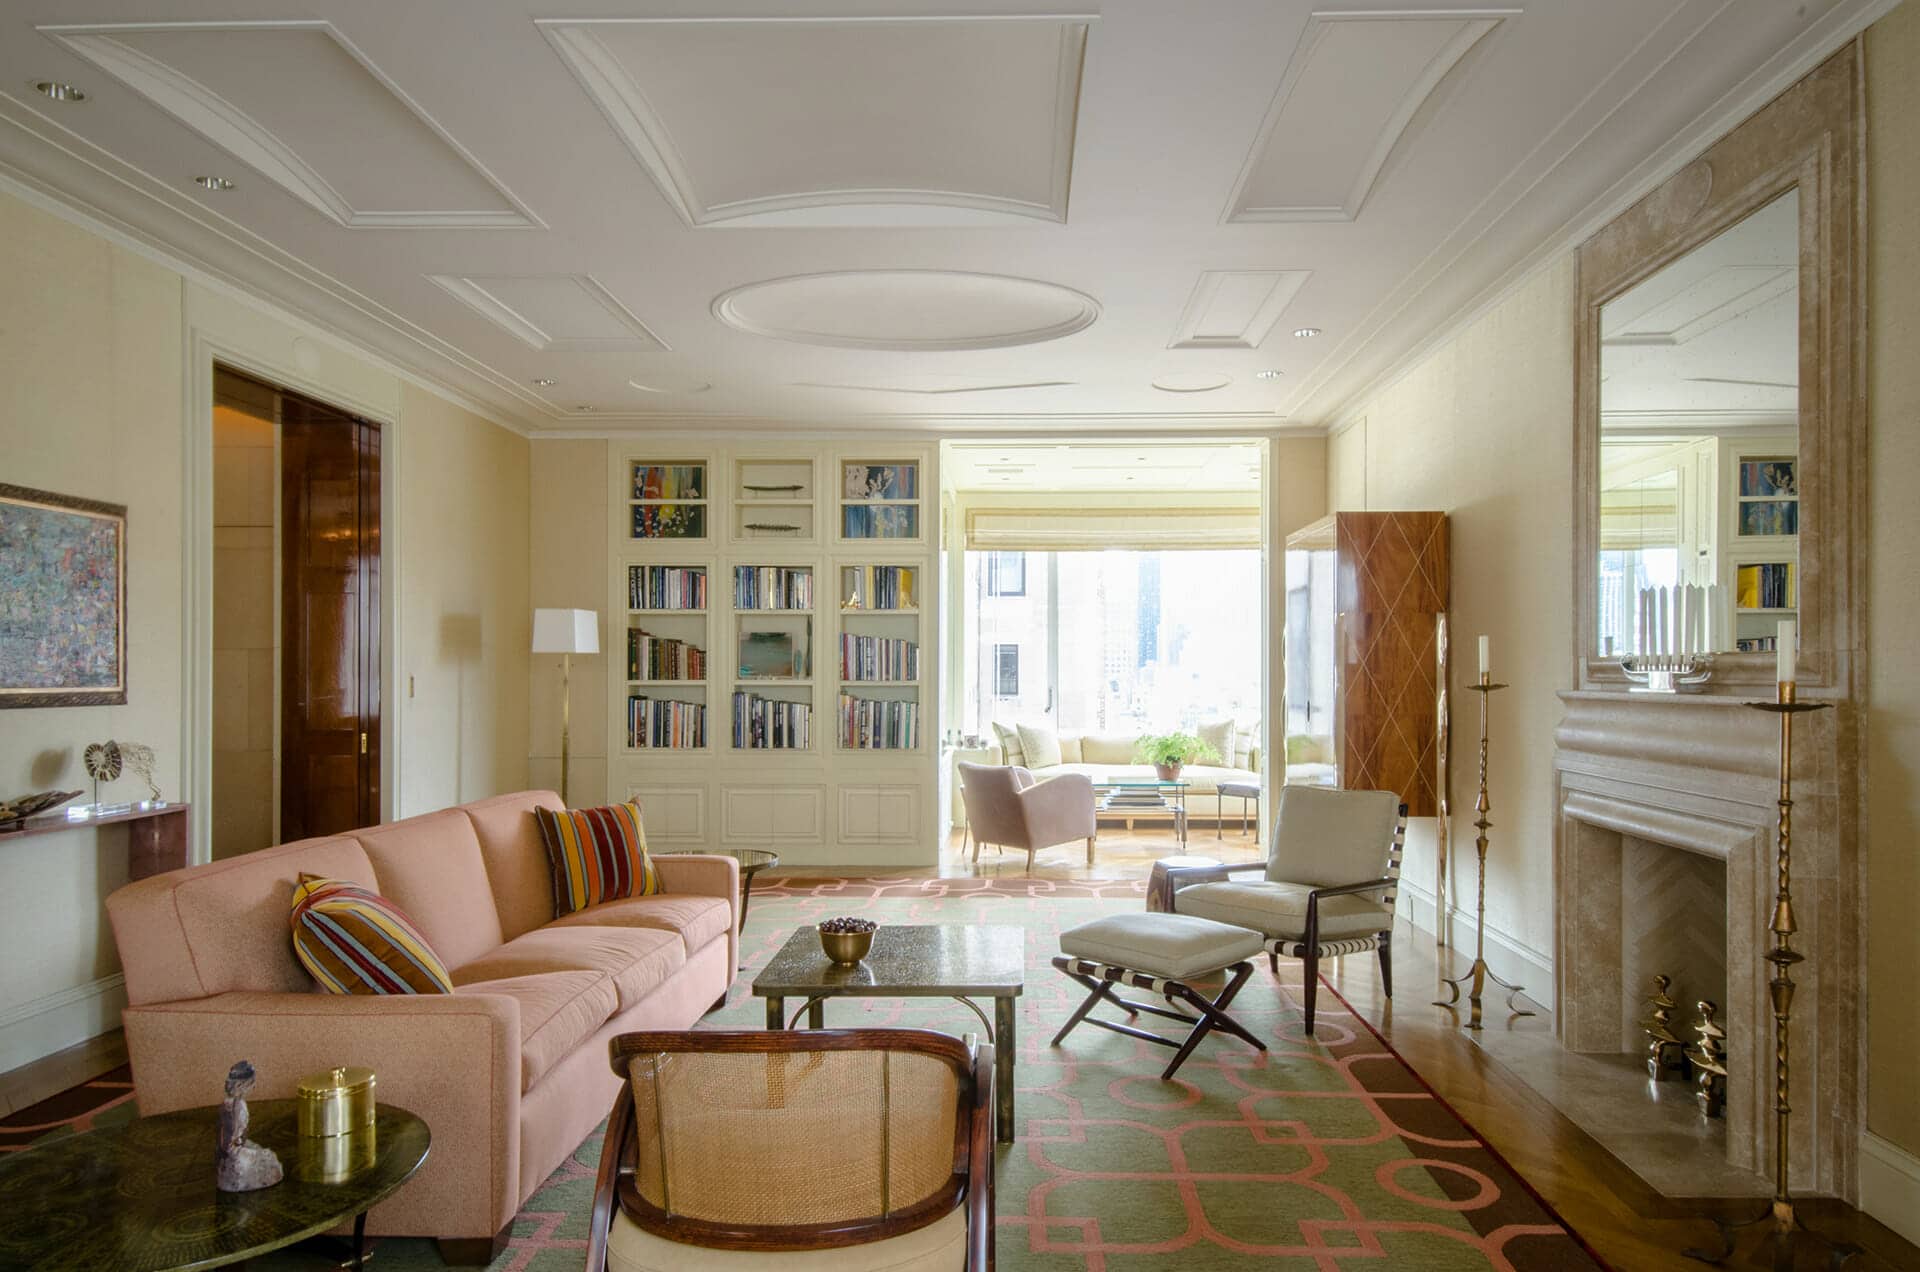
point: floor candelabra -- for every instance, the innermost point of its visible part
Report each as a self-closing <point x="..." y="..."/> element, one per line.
<point x="1479" y="974"/>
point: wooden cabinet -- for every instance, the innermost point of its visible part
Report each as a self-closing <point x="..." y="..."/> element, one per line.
<point x="1366" y="603"/>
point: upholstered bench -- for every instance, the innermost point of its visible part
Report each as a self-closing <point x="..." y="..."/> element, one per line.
<point x="1159" y="953"/>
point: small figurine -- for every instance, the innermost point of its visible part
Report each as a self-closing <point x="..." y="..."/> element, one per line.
<point x="239" y="1164"/>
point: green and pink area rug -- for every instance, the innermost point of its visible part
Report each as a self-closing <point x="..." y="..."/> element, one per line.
<point x="1322" y="1154"/>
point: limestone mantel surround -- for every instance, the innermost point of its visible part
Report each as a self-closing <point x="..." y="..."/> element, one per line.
<point x="1700" y="773"/>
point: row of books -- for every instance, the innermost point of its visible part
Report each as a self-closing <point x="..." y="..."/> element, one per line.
<point x="1757" y="644"/>
<point x="669" y="521"/>
<point x="1767" y="586"/>
<point x="771" y="724"/>
<point x="772" y="587"/>
<point x="878" y="587"/>
<point x="666" y="587"/>
<point x="664" y="723"/>
<point x="669" y="481"/>
<point x="876" y="658"/>
<point x="651" y="657"/>
<point x="879" y="521"/>
<point x="879" y="724"/>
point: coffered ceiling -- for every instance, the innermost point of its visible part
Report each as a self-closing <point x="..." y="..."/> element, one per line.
<point x="880" y="213"/>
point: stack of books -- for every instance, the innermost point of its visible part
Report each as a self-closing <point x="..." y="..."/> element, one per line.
<point x="666" y="587"/>
<point x="877" y="587"/>
<point x="876" y="658"/>
<point x="664" y="723"/>
<point x="772" y="587"/>
<point x="769" y="724"/>
<point x="1768" y="586"/>
<point x="651" y="657"/>
<point x="876" y="724"/>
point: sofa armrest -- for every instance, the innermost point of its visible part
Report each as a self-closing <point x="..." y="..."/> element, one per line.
<point x="452" y="1059"/>
<point x="708" y="875"/>
<point x="1058" y="809"/>
<point x="1253" y="759"/>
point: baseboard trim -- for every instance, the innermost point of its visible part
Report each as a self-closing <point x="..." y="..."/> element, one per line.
<point x="53" y="1022"/>
<point x="1510" y="958"/>
<point x="1890" y="1185"/>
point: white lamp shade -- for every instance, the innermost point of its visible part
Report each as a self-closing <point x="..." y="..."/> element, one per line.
<point x="566" y="631"/>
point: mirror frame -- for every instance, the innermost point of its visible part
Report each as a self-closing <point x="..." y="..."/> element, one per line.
<point x="1809" y="137"/>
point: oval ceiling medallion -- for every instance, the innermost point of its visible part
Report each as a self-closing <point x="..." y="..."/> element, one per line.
<point x="671" y="384"/>
<point x="915" y="310"/>
<point x="1192" y="382"/>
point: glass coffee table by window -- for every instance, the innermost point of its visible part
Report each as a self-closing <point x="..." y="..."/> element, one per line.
<point x="1136" y="796"/>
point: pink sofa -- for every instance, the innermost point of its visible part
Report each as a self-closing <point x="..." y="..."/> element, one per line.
<point x="509" y="1071"/>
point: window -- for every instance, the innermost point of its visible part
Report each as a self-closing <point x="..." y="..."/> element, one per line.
<point x="1006" y="671"/>
<point x="1006" y="574"/>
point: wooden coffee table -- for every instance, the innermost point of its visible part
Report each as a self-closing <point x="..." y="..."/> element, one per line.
<point x="962" y="961"/>
<point x="139" y="1197"/>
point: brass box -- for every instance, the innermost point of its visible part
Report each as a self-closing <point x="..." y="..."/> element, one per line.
<point x="336" y="1102"/>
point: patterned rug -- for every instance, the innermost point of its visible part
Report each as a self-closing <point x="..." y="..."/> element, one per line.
<point x="1321" y="1154"/>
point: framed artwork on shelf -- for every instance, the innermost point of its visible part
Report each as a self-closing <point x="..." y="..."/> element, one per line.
<point x="63" y="600"/>
<point x="768" y="655"/>
<point x="1769" y="517"/>
<point x="880" y="521"/>
<point x="880" y="482"/>
<point x="669" y="521"/>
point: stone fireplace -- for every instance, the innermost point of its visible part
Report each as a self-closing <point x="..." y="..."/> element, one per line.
<point x="1665" y="863"/>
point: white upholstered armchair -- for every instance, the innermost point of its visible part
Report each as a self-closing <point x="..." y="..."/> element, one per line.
<point x="1330" y="874"/>
<point x="1009" y="808"/>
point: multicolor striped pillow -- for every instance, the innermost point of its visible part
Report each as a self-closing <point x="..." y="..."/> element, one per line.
<point x="357" y="942"/>
<point x="597" y="854"/>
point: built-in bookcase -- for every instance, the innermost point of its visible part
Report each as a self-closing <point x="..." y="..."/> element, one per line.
<point x="773" y="611"/>
<point x="774" y="499"/>
<point x="666" y="654"/>
<point x="880" y="705"/>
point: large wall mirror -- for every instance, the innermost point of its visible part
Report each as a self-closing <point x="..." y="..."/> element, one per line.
<point x="1718" y="405"/>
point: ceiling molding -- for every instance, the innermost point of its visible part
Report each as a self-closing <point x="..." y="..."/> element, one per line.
<point x="231" y="128"/>
<point x="941" y="390"/>
<point x="1397" y="110"/>
<point x="641" y="124"/>
<point x="492" y="297"/>
<point x="1236" y="308"/>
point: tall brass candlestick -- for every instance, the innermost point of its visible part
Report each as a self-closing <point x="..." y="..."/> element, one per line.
<point x="1479" y="974"/>
<point x="1782" y="1227"/>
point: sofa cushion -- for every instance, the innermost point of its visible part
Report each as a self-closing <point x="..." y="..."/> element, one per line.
<point x="596" y="854"/>
<point x="1175" y="946"/>
<point x="1070" y="748"/>
<point x="1040" y="744"/>
<point x="516" y="857"/>
<point x="355" y="941"/>
<point x="636" y="959"/>
<point x="1011" y="752"/>
<point x="1280" y="909"/>
<point x="1326" y="837"/>
<point x="695" y="919"/>
<point x="1219" y="735"/>
<point x="1107" y="749"/>
<point x="430" y="866"/>
<point x="558" y="1012"/>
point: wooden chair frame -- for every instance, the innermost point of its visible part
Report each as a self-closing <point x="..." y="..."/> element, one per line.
<point x="971" y="1183"/>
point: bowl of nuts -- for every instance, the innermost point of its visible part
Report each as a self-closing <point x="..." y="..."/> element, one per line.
<point x="847" y="939"/>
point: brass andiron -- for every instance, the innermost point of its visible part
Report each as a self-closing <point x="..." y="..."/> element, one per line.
<point x="1479" y="974"/>
<point x="1709" y="1061"/>
<point x="1666" y="1054"/>
<point x="1780" y="1227"/>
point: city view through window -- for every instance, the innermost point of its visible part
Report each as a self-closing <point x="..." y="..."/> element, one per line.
<point x="1112" y="642"/>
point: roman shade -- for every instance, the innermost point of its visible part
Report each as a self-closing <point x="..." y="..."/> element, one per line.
<point x="1094" y="529"/>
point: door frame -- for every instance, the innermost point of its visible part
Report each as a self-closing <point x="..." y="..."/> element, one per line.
<point x="204" y="349"/>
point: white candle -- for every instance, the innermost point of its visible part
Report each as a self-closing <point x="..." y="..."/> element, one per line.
<point x="1686" y="619"/>
<point x="1486" y="659"/>
<point x="1697" y="598"/>
<point x="1660" y="625"/>
<point x="1786" y="640"/>
<point x="1641" y="627"/>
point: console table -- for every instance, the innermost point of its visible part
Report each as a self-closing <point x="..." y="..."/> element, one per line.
<point x="157" y="838"/>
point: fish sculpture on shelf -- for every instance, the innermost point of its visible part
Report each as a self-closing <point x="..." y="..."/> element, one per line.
<point x="14" y="812"/>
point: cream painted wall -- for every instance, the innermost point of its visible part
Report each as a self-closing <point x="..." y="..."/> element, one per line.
<point x="569" y="547"/>
<point x="1893" y="635"/>
<point x="466" y="621"/>
<point x="1483" y="429"/>
<point x="246" y="496"/>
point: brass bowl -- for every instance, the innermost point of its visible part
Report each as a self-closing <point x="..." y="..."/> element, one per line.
<point x="846" y="948"/>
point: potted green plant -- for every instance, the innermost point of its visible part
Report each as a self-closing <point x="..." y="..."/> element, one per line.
<point x="1168" y="752"/>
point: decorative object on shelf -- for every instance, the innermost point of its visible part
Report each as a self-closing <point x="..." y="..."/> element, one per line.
<point x="1479" y="973"/>
<point x="847" y="940"/>
<point x="772" y="527"/>
<point x="1668" y="673"/>
<point x="139" y="760"/>
<point x="1687" y="618"/>
<point x="566" y="632"/>
<point x="1169" y="752"/>
<point x="1780" y="1226"/>
<point x="103" y="764"/>
<point x="64" y="560"/>
<point x="1709" y="1060"/>
<point x="14" y="812"/>
<point x="335" y="1102"/>
<point x="1666" y="1054"/>
<point x="239" y="1164"/>
<point x="792" y="488"/>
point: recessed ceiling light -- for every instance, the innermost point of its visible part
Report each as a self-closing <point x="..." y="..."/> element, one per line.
<point x="60" y="92"/>
<point x="213" y="183"/>
<point x="543" y="383"/>
<point x="1305" y="333"/>
<point x="1268" y="374"/>
<point x="583" y="407"/>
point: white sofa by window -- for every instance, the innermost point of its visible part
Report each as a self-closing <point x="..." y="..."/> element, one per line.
<point x="1112" y="757"/>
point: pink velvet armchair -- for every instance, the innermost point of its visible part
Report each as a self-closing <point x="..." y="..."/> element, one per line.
<point x="1006" y="807"/>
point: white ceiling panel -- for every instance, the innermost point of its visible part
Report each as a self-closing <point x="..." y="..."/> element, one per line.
<point x="1354" y="85"/>
<point x="1236" y="308"/>
<point x="305" y="109"/>
<point x="840" y="122"/>
<point x="566" y="313"/>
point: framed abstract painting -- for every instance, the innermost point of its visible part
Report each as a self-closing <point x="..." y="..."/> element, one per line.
<point x="63" y="600"/>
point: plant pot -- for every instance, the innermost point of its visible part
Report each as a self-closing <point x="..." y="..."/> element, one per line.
<point x="1169" y="772"/>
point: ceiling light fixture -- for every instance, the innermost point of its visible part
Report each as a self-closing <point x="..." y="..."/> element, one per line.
<point x="220" y="184"/>
<point x="583" y="407"/>
<point x="1268" y="374"/>
<point x="1306" y="333"/>
<point x="60" y="92"/>
<point x="543" y="383"/>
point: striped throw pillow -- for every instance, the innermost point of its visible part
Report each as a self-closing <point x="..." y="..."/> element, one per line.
<point x="597" y="854"/>
<point x="355" y="941"/>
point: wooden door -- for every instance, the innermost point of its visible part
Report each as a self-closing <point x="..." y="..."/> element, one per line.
<point x="330" y="620"/>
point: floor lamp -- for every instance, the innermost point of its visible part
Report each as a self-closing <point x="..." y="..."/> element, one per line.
<point x="565" y="632"/>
